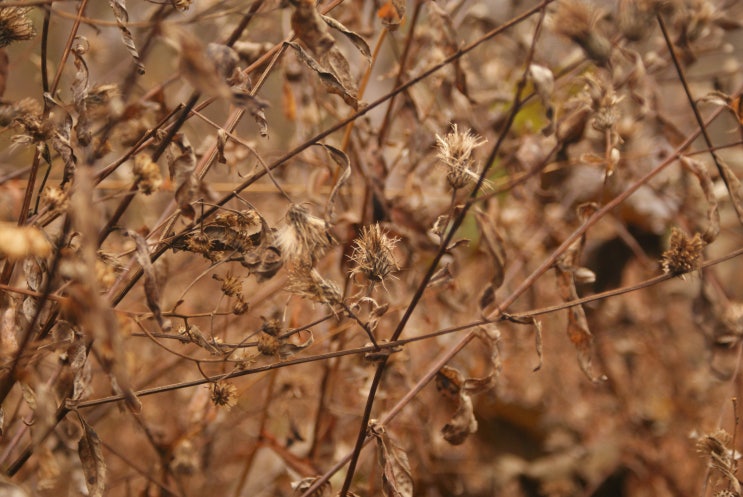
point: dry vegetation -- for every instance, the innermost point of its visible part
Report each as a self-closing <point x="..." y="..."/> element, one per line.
<point x="462" y="247"/>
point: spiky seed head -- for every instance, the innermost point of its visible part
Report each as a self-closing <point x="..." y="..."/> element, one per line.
<point x="684" y="253"/>
<point x="373" y="254"/>
<point x="224" y="394"/>
<point x="455" y="151"/>
<point x="15" y="25"/>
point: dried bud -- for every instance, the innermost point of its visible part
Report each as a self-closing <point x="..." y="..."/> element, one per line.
<point x="684" y="253"/>
<point x="372" y="254"/>
<point x="224" y="394"/>
<point x="15" y="25"/>
<point x="455" y="150"/>
<point x="268" y="338"/>
<point x="231" y="285"/>
<point x="147" y="174"/>
<point x="303" y="238"/>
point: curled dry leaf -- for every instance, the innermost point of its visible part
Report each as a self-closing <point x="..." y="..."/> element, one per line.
<point x="578" y="331"/>
<point x="493" y="244"/>
<point x="397" y="479"/>
<point x="330" y="81"/>
<point x="308" y="26"/>
<point x="61" y="144"/>
<point x="122" y="18"/>
<point x="450" y="382"/>
<point x="340" y="158"/>
<point x="705" y="182"/>
<point x="196" y="66"/>
<point x="80" y="90"/>
<point x="90" y="450"/>
<point x="181" y="168"/>
<point x="353" y="37"/>
<point x="151" y="290"/>
<point x="392" y="13"/>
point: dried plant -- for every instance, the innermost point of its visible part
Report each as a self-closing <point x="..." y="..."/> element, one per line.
<point x="245" y="245"/>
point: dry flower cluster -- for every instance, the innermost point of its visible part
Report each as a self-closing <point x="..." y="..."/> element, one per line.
<point x="371" y="247"/>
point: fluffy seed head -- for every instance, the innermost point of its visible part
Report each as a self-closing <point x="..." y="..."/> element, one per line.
<point x="684" y="253"/>
<point x="455" y="151"/>
<point x="372" y="254"/>
<point x="303" y="237"/>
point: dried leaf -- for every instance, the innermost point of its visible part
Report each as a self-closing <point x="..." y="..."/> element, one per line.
<point x="392" y="13"/>
<point x="354" y="38"/>
<point x="309" y="27"/>
<point x="122" y="18"/>
<point x="397" y="480"/>
<point x="151" y="290"/>
<point x="340" y="158"/>
<point x="288" y="349"/>
<point x="329" y="80"/>
<point x="442" y="22"/>
<point x="705" y="182"/>
<point x="196" y="66"/>
<point x="80" y="90"/>
<point x="735" y="190"/>
<point x="90" y="450"/>
<point x="578" y="331"/>
<point x="61" y="144"/>
<point x="221" y="141"/>
<point x="462" y="424"/>
<point x="181" y="168"/>
<point x="493" y="243"/>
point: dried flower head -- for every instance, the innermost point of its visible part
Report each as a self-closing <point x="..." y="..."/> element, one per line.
<point x="231" y="285"/>
<point x="303" y="237"/>
<point x="224" y="394"/>
<point x="578" y="20"/>
<point x="307" y="282"/>
<point x="455" y="150"/>
<point x="19" y="242"/>
<point x="684" y="253"/>
<point x="721" y="459"/>
<point x="185" y="458"/>
<point x="56" y="198"/>
<point x="147" y="174"/>
<point x="372" y="254"/>
<point x="240" y="306"/>
<point x="15" y="25"/>
<point x="199" y="242"/>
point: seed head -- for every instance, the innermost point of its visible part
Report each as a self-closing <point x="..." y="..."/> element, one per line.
<point x="307" y="282"/>
<point x="147" y="174"/>
<point x="15" y="25"/>
<point x="372" y="254"/>
<point x="224" y="394"/>
<point x="684" y="253"/>
<point x="455" y="150"/>
<point x="303" y="238"/>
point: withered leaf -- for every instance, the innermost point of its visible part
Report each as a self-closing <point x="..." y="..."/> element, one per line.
<point x="221" y="141"/>
<point x="196" y="66"/>
<point x="329" y="80"/>
<point x="444" y="25"/>
<point x="90" y="450"/>
<point x="309" y="27"/>
<point x="493" y="244"/>
<point x="705" y="182"/>
<point x="122" y="18"/>
<point x="151" y="290"/>
<point x="80" y="90"/>
<point x="735" y="190"/>
<point x="340" y="158"/>
<point x="354" y="38"/>
<point x="462" y="424"/>
<point x="61" y="145"/>
<point x="449" y="382"/>
<point x="181" y="168"/>
<point x="288" y="349"/>
<point x="397" y="480"/>
<point x="391" y="13"/>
